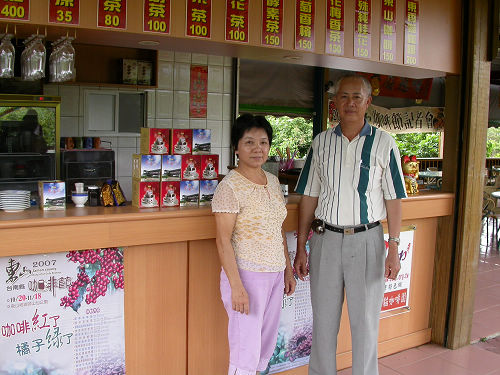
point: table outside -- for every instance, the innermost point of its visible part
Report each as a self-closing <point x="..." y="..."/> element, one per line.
<point x="432" y="178"/>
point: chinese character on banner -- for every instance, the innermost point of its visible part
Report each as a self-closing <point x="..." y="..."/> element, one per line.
<point x="18" y="10"/>
<point x="411" y="32"/>
<point x="388" y="31"/>
<point x="335" y="27"/>
<point x="304" y="25"/>
<point x="199" y="18"/>
<point x="64" y="11"/>
<point x="198" y="92"/>
<point x="237" y="21"/>
<point x="112" y="14"/>
<point x="272" y="23"/>
<point x="157" y="16"/>
<point x="362" y="29"/>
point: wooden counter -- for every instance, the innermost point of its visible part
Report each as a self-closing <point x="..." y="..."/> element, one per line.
<point x="175" y="323"/>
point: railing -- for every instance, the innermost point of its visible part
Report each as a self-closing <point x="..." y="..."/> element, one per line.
<point x="438" y="163"/>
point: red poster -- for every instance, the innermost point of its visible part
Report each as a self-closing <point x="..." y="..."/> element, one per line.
<point x="388" y="31"/>
<point x="237" y="20"/>
<point x="64" y="12"/>
<point x="335" y="27"/>
<point x="362" y="29"/>
<point x="112" y="14"/>
<point x="15" y="10"/>
<point x="272" y="23"/>
<point x="157" y="16"/>
<point x="411" y="32"/>
<point x="304" y="25"/>
<point x="198" y="91"/>
<point x="395" y="299"/>
<point x="400" y="87"/>
<point x="198" y="18"/>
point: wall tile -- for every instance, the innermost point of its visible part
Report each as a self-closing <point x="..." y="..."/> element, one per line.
<point x="127" y="142"/>
<point x="215" y="60"/>
<point x="198" y="123"/>
<point x="166" y="55"/>
<point x="51" y="89"/>
<point x="151" y="123"/>
<point x="225" y="157"/>
<point x="226" y="107"/>
<point x="126" y="185"/>
<point x="228" y="61"/>
<point x="215" y="132"/>
<point x="166" y="75"/>
<point x="69" y="126"/>
<point x="124" y="162"/>
<point x="180" y="123"/>
<point x="228" y="80"/>
<point x="215" y="78"/>
<point x="151" y="103"/>
<point x="70" y="100"/>
<point x="164" y="123"/>
<point x="182" y="57"/>
<point x="214" y="106"/>
<point x="81" y="111"/>
<point x="181" y="76"/>
<point x="216" y="151"/>
<point x="164" y="103"/>
<point x="226" y="134"/>
<point x="110" y="143"/>
<point x="181" y="104"/>
<point x="199" y="59"/>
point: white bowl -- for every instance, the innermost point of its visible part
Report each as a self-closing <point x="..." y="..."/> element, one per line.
<point x="79" y="199"/>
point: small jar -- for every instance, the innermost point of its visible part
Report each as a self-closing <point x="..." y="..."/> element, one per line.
<point x="93" y="192"/>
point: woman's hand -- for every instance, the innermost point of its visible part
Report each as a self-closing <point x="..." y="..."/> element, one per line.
<point x="289" y="281"/>
<point x="240" y="301"/>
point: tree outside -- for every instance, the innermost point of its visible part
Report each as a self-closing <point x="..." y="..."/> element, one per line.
<point x="493" y="143"/>
<point x="294" y="133"/>
<point x="423" y="145"/>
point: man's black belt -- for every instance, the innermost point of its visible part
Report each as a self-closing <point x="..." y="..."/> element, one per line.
<point x="351" y="230"/>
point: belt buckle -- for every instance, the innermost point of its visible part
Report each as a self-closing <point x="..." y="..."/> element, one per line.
<point x="348" y="230"/>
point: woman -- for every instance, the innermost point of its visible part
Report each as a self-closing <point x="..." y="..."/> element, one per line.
<point x="249" y="212"/>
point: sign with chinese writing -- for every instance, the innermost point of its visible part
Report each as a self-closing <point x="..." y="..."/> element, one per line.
<point x="199" y="18"/>
<point x="157" y="16"/>
<point x="362" y="29"/>
<point x="237" y="20"/>
<point x="112" y="14"/>
<point x="388" y="31"/>
<point x="293" y="346"/>
<point x="62" y="313"/>
<point x="272" y="23"/>
<point x="64" y="12"/>
<point x="335" y="27"/>
<point x="198" y="91"/>
<point x="304" y="25"/>
<point x="411" y="32"/>
<point x="15" y="10"/>
<point x="400" y="87"/>
<point x="397" y="292"/>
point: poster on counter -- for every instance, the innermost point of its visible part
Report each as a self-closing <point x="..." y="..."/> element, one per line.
<point x="62" y="313"/>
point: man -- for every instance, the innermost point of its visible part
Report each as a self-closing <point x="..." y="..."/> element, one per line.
<point x="351" y="180"/>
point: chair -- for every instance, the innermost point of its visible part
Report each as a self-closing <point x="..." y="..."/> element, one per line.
<point x="490" y="211"/>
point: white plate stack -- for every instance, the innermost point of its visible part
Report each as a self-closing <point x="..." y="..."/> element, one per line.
<point x="14" y="200"/>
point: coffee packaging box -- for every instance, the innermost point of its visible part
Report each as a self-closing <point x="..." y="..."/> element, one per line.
<point x="209" y="167"/>
<point x="170" y="194"/>
<point x="145" y="194"/>
<point x="202" y="141"/>
<point x="129" y="71"/>
<point x="171" y="167"/>
<point x="207" y="190"/>
<point x="144" y="72"/>
<point x="190" y="193"/>
<point x="191" y="167"/>
<point x="52" y="195"/>
<point x="182" y="141"/>
<point x="146" y="167"/>
<point x="155" y="141"/>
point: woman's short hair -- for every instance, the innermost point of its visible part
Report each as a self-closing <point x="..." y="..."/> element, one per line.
<point x="246" y="122"/>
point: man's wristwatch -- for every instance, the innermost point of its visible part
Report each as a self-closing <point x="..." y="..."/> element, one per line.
<point x="394" y="239"/>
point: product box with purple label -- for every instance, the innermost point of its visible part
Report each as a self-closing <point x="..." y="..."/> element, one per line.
<point x="52" y="195"/>
<point x="202" y="141"/>
<point x="207" y="190"/>
<point x="190" y="191"/>
<point x="171" y="167"/>
<point x="146" y="167"/>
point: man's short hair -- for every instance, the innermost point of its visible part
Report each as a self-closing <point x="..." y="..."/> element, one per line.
<point x="364" y="82"/>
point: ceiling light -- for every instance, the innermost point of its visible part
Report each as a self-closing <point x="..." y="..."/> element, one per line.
<point x="149" y="43"/>
<point x="292" y="57"/>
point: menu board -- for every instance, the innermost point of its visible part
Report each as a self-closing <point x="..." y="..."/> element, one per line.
<point x="304" y="25"/>
<point x="112" y="14"/>
<point x="199" y="18"/>
<point x="335" y="27"/>
<point x="157" y="16"/>
<point x="64" y="12"/>
<point x="15" y="10"/>
<point x="62" y="313"/>
<point x="272" y="23"/>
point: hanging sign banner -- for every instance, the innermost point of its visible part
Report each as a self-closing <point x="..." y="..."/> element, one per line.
<point x="399" y="87"/>
<point x="112" y="14"/>
<point x="388" y="31"/>
<point x="335" y="27"/>
<point x="199" y="18"/>
<point x="63" y="313"/>
<point x="272" y="23"/>
<point x="363" y="29"/>
<point x="157" y="16"/>
<point x="411" y="32"/>
<point x="237" y="21"/>
<point x="15" y="10"/>
<point x="64" y="12"/>
<point x="304" y="25"/>
<point x="198" y="92"/>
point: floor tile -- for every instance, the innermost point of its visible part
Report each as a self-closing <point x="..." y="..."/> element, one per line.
<point x="434" y="366"/>
<point x="474" y="359"/>
<point x="403" y="358"/>
<point x="382" y="370"/>
<point x="492" y="345"/>
<point x="432" y="349"/>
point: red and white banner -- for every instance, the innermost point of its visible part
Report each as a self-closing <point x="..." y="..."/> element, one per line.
<point x="412" y="12"/>
<point x="388" y="31"/>
<point x="198" y="92"/>
<point x="363" y="29"/>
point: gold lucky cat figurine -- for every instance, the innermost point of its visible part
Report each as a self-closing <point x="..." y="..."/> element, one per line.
<point x="409" y="164"/>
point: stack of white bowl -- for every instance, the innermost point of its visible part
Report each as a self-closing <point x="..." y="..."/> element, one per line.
<point x="14" y="200"/>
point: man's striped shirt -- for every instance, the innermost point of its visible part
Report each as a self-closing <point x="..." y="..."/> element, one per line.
<point x="352" y="179"/>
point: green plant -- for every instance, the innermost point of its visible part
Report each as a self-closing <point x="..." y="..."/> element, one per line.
<point x="423" y="145"/>
<point x="294" y="133"/>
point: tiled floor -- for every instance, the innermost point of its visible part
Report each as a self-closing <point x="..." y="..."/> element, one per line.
<point x="482" y="357"/>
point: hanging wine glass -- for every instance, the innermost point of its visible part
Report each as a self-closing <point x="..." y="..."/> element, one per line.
<point x="7" y="57"/>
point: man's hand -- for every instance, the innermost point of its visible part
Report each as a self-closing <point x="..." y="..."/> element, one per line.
<point x="300" y="263"/>
<point x="392" y="264"/>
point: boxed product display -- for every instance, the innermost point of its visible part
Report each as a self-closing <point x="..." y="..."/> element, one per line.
<point x="146" y="167"/>
<point x="182" y="141"/>
<point x="52" y="195"/>
<point x="155" y="141"/>
<point x="145" y="194"/>
<point x="144" y="72"/>
<point x="207" y="190"/>
<point x="129" y="71"/>
<point x="209" y="167"/>
<point x="190" y="167"/>
<point x="190" y="191"/>
<point x="171" y="167"/>
<point x="170" y="194"/>
<point x="201" y="141"/>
